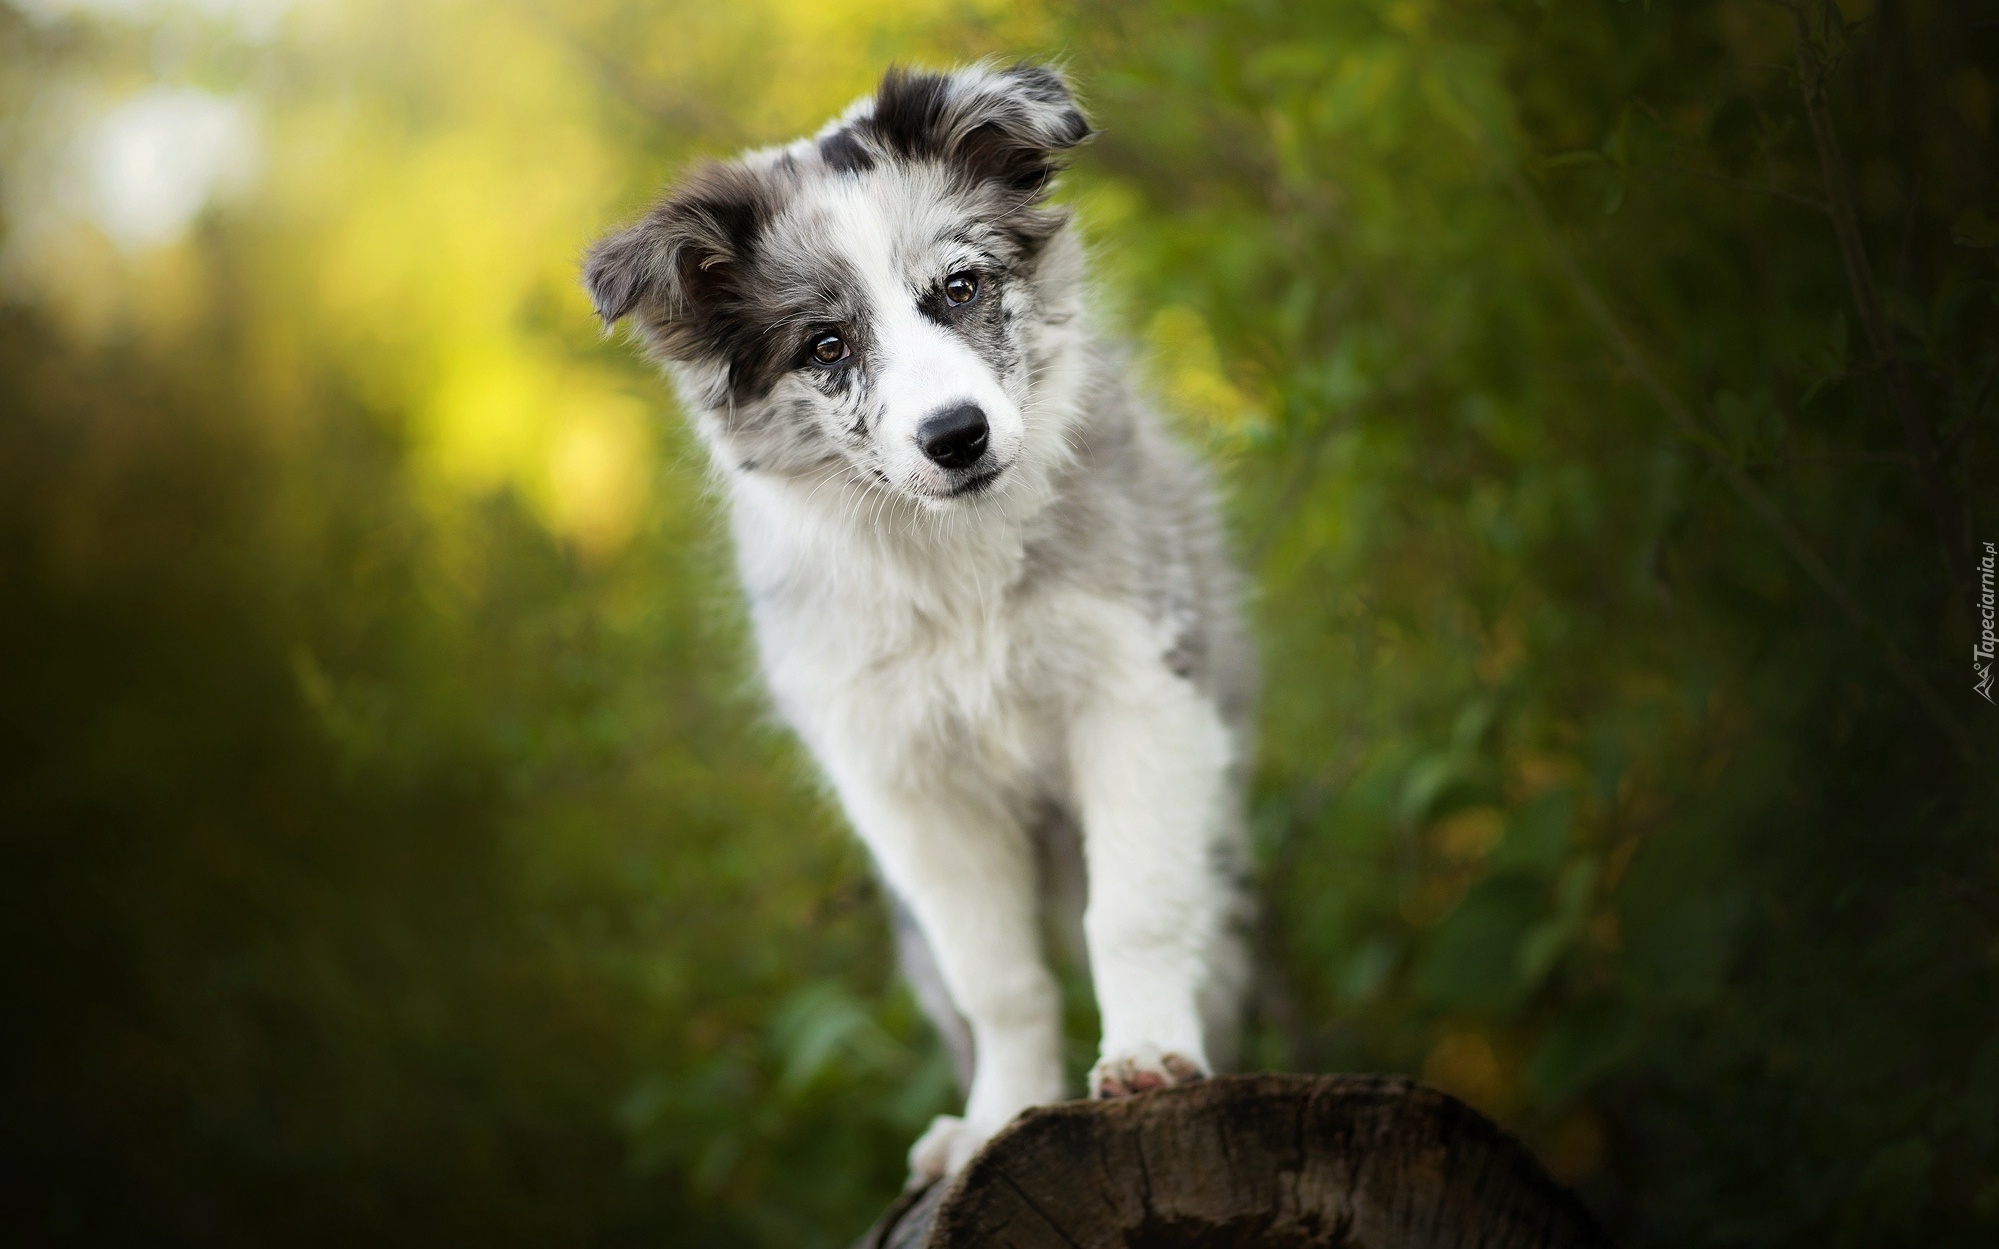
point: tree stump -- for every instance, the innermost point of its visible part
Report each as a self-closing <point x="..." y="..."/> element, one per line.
<point x="1270" y="1161"/>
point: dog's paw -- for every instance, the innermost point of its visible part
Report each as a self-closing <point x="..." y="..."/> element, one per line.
<point x="943" y="1150"/>
<point x="1141" y="1070"/>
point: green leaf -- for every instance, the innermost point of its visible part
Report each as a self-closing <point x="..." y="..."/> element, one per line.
<point x="1428" y="779"/>
<point x="1367" y="972"/>
<point x="1578" y="1051"/>
<point x="1974" y="229"/>
<point x="1828" y="362"/>
<point x="1542" y="948"/>
<point x="1617" y="144"/>
<point x="1538" y="834"/>
<point x="1681" y="909"/>
<point x="1471" y="963"/>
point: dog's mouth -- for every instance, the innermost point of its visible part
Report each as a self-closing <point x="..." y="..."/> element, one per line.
<point x="975" y="484"/>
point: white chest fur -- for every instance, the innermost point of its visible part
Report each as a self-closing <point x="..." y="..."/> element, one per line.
<point x="921" y="640"/>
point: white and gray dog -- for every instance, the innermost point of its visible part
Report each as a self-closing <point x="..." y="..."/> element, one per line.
<point x="989" y="592"/>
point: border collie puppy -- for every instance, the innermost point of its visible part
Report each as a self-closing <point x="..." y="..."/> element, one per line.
<point x="989" y="591"/>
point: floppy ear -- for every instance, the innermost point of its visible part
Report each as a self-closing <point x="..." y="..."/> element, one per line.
<point x="620" y="269"/>
<point x="673" y="269"/>
<point x="1009" y="126"/>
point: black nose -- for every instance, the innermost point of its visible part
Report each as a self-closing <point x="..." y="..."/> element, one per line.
<point x="955" y="437"/>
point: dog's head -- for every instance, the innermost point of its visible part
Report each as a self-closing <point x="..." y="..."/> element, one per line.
<point x="869" y="301"/>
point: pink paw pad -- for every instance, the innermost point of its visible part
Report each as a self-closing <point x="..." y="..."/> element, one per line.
<point x="1127" y="1077"/>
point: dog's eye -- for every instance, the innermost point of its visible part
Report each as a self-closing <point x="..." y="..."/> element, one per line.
<point x="961" y="289"/>
<point x="829" y="349"/>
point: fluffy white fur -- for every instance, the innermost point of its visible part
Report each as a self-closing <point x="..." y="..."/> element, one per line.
<point x="973" y="665"/>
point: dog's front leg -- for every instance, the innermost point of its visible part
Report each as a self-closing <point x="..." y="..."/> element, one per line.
<point x="1149" y="755"/>
<point x="966" y="871"/>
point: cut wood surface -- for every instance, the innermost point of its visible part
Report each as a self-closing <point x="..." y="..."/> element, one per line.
<point x="1279" y="1161"/>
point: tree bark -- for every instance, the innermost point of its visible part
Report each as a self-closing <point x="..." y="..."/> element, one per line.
<point x="1271" y="1161"/>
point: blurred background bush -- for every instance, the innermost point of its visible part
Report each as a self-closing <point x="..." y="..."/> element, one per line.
<point x="393" y="849"/>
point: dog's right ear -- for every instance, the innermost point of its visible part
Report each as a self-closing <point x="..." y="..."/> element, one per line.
<point x="672" y="269"/>
<point x="621" y="269"/>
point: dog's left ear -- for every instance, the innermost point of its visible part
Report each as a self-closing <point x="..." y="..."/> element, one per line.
<point x="1011" y="126"/>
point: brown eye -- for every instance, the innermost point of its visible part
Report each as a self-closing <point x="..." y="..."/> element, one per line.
<point x="829" y="349"/>
<point x="960" y="289"/>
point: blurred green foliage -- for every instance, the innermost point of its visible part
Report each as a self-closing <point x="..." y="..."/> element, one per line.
<point x="392" y="845"/>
